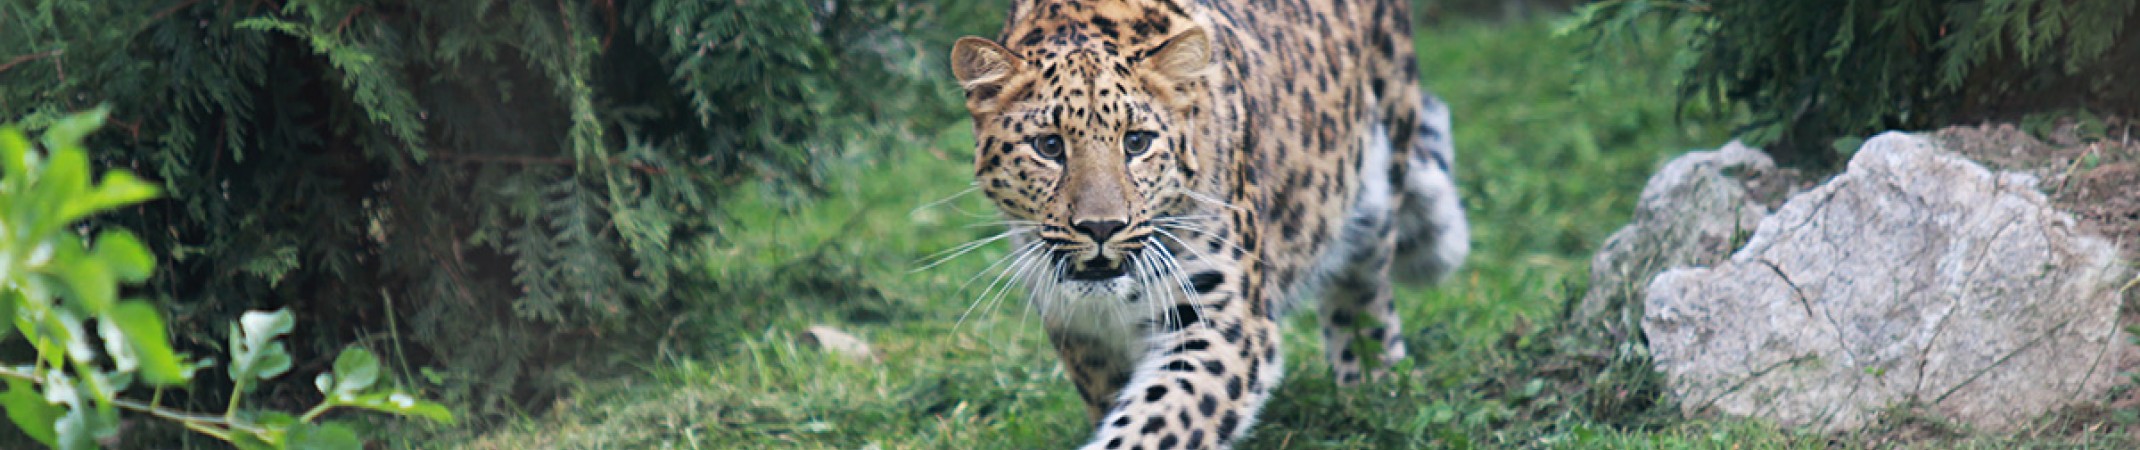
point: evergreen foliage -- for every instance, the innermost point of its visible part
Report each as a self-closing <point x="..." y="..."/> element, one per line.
<point x="1814" y="71"/>
<point x="485" y="182"/>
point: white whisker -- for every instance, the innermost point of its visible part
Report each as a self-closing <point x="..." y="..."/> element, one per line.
<point x="944" y="256"/>
<point x="1181" y="279"/>
<point x="940" y="202"/>
<point x="947" y="255"/>
<point x="1018" y="273"/>
<point x="1199" y="196"/>
<point x="1017" y="259"/>
<point x="1007" y="223"/>
<point x="1153" y="302"/>
<point x="1192" y="247"/>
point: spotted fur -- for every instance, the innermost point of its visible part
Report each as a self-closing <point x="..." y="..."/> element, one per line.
<point x="1178" y="172"/>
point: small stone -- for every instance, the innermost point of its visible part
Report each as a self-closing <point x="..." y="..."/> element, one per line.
<point x="839" y="342"/>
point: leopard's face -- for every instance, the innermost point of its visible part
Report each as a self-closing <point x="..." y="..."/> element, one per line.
<point x="1089" y="161"/>
<point x="1090" y="150"/>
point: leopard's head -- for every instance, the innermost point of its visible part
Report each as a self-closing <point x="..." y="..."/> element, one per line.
<point x="1085" y="131"/>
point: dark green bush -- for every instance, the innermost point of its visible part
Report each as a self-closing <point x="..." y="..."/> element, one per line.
<point x="486" y="184"/>
<point x="1814" y="71"/>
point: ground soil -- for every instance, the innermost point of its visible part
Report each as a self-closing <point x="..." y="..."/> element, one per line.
<point x="2096" y="178"/>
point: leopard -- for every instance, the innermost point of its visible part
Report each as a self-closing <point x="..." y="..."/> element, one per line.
<point x="1178" y="176"/>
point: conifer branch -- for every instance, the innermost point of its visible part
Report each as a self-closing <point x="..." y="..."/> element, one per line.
<point x="541" y="160"/>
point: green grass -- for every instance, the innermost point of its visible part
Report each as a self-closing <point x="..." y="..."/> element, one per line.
<point x="1551" y="159"/>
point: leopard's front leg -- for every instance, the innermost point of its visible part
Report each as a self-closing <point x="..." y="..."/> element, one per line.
<point x="1200" y="384"/>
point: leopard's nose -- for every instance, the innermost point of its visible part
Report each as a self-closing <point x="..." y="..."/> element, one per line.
<point x="1099" y="230"/>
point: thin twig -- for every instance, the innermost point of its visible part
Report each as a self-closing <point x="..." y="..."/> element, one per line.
<point x="610" y="7"/>
<point x="167" y="12"/>
<point x="29" y="57"/>
<point x="160" y="412"/>
<point x="344" y="24"/>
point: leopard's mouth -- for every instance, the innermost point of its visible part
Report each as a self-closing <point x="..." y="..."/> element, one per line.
<point x="1097" y="269"/>
<point x="1090" y="264"/>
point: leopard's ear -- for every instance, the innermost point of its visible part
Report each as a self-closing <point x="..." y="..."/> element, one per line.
<point x="1182" y="58"/>
<point x="1173" y="69"/>
<point x="982" y="66"/>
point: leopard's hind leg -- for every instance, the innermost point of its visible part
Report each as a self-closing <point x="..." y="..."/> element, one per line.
<point x="1362" y="334"/>
<point x="1432" y="236"/>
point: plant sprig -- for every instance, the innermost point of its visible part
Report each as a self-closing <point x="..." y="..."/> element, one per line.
<point x="61" y="293"/>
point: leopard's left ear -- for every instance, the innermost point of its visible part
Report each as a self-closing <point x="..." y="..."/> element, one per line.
<point x="982" y="67"/>
<point x="1178" y="62"/>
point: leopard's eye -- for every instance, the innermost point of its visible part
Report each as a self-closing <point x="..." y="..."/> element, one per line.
<point x="1136" y="142"/>
<point x="1049" y="146"/>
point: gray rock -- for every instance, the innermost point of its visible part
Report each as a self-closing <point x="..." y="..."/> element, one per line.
<point x="1915" y="279"/>
<point x="1693" y="212"/>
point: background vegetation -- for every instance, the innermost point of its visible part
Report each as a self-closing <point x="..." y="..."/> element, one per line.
<point x="605" y="224"/>
<point x="1813" y="72"/>
<point x="489" y="187"/>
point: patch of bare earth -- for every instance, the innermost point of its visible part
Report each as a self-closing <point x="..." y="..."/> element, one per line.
<point x="2097" y="179"/>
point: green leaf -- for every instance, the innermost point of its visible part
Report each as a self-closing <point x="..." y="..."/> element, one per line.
<point x="28" y="409"/>
<point x="15" y="156"/>
<point x="82" y="425"/>
<point x="1846" y="146"/>
<point x="90" y="282"/>
<point x="264" y="326"/>
<point x="274" y="362"/>
<point x="119" y="189"/>
<point x="326" y="436"/>
<point x="144" y="329"/>
<point x="124" y="255"/>
<point x="247" y="441"/>
<point x="400" y="403"/>
<point x="63" y="178"/>
<point x="254" y="351"/>
<point x="356" y="370"/>
<point x="9" y="301"/>
<point x="68" y="340"/>
<point x="69" y="131"/>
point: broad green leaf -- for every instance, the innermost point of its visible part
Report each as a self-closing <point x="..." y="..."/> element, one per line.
<point x="400" y="403"/>
<point x="63" y="179"/>
<point x="91" y="284"/>
<point x="124" y="255"/>
<point x="254" y="352"/>
<point x="326" y="436"/>
<point x="356" y="369"/>
<point x="81" y="425"/>
<point x="247" y="441"/>
<point x="15" y="156"/>
<point x="116" y="346"/>
<point x="144" y="329"/>
<point x="274" y="362"/>
<point x="274" y="419"/>
<point x="119" y="189"/>
<point x="261" y="326"/>
<point x="10" y="300"/>
<point x="69" y="131"/>
<point x="30" y="412"/>
<point x="65" y="326"/>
